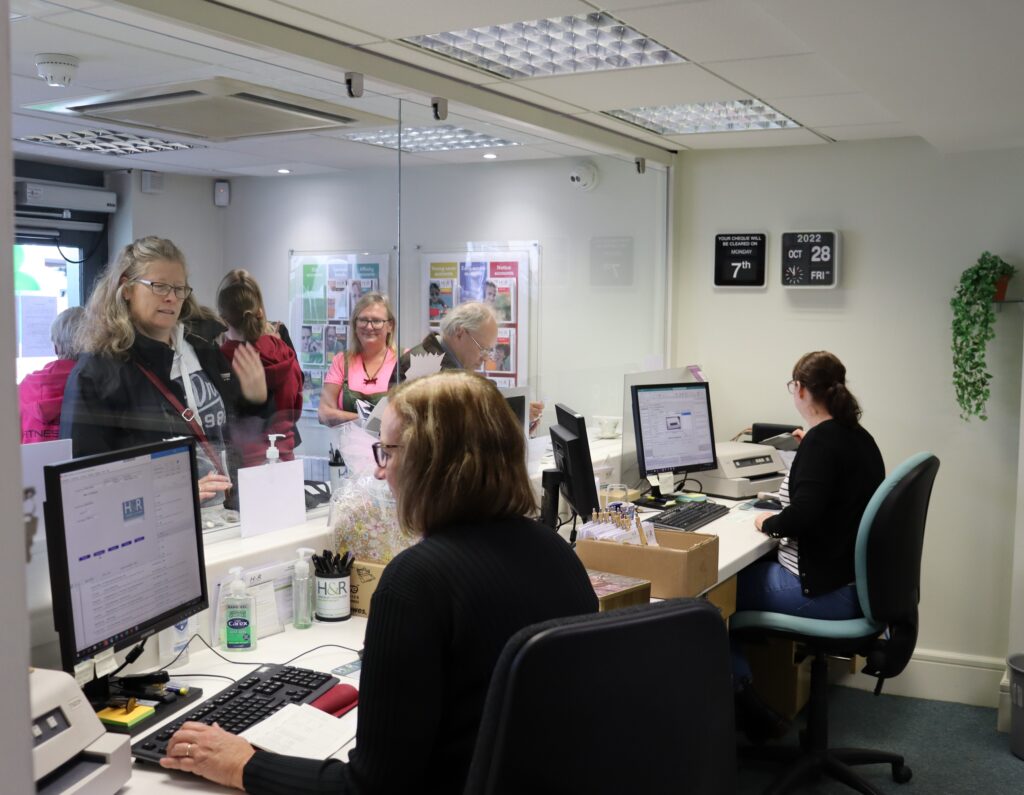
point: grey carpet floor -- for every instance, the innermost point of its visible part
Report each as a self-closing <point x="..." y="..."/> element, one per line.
<point x="953" y="749"/>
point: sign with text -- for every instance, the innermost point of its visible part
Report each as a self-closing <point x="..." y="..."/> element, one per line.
<point x="740" y="259"/>
<point x="810" y="259"/>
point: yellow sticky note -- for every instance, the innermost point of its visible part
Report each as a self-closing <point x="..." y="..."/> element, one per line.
<point x="116" y="716"/>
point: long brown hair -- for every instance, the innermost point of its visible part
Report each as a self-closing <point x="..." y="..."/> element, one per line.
<point x="240" y="303"/>
<point x="824" y="376"/>
<point x="463" y="456"/>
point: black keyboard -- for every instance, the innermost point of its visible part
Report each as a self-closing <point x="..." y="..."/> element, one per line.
<point x="690" y="515"/>
<point x="248" y="701"/>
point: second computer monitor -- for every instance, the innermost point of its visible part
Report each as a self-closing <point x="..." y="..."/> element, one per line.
<point x="673" y="428"/>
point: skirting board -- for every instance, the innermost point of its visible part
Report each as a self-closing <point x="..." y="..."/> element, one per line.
<point x="942" y="676"/>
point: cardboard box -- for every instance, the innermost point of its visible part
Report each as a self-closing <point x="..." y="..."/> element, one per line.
<point x="723" y="596"/>
<point x="782" y="681"/>
<point x="684" y="564"/>
<point x="615" y="591"/>
<point x="365" y="576"/>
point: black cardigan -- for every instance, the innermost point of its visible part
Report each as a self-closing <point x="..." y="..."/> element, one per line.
<point x="428" y="345"/>
<point x="109" y="403"/>
<point x="836" y="470"/>
<point x="439" y="619"/>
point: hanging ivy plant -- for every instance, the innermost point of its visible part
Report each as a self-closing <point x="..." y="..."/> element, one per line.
<point x="973" y="321"/>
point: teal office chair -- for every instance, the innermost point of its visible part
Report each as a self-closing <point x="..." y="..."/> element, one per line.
<point x="888" y="569"/>
<point x="632" y="700"/>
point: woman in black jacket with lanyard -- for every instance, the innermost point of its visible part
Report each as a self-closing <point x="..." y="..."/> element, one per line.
<point x="144" y="377"/>
<point x="454" y="456"/>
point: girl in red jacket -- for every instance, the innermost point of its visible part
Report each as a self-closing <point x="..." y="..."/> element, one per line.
<point x="240" y="304"/>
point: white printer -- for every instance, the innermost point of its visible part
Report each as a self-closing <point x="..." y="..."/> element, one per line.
<point x="743" y="470"/>
<point x="71" y="750"/>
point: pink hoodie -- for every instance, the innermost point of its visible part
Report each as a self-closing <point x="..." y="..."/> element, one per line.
<point x="40" y="395"/>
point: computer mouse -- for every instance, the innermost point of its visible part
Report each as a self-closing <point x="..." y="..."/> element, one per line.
<point x="768" y="505"/>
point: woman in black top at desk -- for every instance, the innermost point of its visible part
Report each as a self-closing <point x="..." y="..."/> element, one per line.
<point x="454" y="457"/>
<point x="836" y="470"/>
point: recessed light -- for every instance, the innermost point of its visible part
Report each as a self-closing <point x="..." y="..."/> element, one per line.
<point x="443" y="138"/>
<point x="490" y="156"/>
<point x="284" y="171"/>
<point x="108" y="142"/>
<point x="706" y="117"/>
<point x="553" y="46"/>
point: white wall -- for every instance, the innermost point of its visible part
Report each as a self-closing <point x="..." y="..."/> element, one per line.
<point x="14" y="706"/>
<point x="588" y="336"/>
<point x="911" y="221"/>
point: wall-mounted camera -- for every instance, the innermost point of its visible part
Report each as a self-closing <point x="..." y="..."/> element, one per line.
<point x="584" y="175"/>
<point x="354" y="84"/>
<point x="440" y="107"/>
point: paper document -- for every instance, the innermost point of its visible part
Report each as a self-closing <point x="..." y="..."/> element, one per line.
<point x="303" y="730"/>
<point x="425" y="364"/>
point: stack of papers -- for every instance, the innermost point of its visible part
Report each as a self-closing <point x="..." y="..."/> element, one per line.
<point x="303" y="730"/>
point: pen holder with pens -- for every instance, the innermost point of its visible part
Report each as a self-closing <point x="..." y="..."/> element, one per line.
<point x="333" y="577"/>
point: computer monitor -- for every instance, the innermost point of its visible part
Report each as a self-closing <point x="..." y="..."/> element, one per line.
<point x="674" y="432"/>
<point x="516" y="397"/>
<point x="629" y="471"/>
<point x="125" y="547"/>
<point x="575" y="467"/>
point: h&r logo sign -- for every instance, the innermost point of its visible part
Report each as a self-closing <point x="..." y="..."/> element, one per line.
<point x="133" y="509"/>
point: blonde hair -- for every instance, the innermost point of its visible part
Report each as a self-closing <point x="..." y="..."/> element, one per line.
<point x="240" y="303"/>
<point x="108" y="328"/>
<point x="369" y="299"/>
<point x="463" y="456"/>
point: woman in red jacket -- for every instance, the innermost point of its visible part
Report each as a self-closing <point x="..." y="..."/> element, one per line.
<point x="240" y="303"/>
<point x="41" y="394"/>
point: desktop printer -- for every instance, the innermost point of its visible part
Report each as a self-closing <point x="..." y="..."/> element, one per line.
<point x="71" y="751"/>
<point x="743" y="470"/>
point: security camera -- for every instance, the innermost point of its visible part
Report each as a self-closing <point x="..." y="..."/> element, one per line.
<point x="641" y="165"/>
<point x="584" y="175"/>
<point x="354" y="84"/>
<point x="55" y="69"/>
<point x="440" y="107"/>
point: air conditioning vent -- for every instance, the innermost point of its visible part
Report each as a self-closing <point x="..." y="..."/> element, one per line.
<point x="218" y="109"/>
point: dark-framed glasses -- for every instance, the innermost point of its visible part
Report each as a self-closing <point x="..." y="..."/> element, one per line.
<point x="370" y="322"/>
<point x="163" y="288"/>
<point x="381" y="454"/>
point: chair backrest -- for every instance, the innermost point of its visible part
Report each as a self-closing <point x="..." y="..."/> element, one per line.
<point x="890" y="540"/>
<point x="633" y="700"/>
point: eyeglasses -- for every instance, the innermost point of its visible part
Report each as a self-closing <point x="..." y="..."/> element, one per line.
<point x="792" y="385"/>
<point x="163" y="288"/>
<point x="381" y="454"/>
<point x="370" y="322"/>
<point x="483" y="350"/>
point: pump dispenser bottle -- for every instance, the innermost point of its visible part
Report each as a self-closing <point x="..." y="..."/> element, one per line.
<point x="273" y="454"/>
<point x="302" y="589"/>
<point x="239" y="615"/>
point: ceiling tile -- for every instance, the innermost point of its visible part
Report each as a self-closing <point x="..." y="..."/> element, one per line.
<point x="864" y="132"/>
<point x="718" y="31"/>
<point x="531" y="94"/>
<point x="630" y="88"/>
<point x="420" y="57"/>
<point x="785" y="76"/>
<point x="748" y="140"/>
<point x="307" y="16"/>
<point x="834" y="109"/>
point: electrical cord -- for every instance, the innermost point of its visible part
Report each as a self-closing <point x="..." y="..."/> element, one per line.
<point x="132" y="656"/>
<point x="325" y="646"/>
<point x="207" y="645"/>
<point x="99" y="239"/>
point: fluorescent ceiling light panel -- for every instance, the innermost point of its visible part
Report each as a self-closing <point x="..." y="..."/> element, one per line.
<point x="445" y="138"/>
<point x="706" y="117"/>
<point x="108" y="142"/>
<point x="555" y="46"/>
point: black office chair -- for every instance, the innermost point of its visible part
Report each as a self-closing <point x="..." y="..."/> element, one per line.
<point x="888" y="567"/>
<point x="633" y="700"/>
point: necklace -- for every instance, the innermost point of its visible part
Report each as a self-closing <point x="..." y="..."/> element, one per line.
<point x="372" y="379"/>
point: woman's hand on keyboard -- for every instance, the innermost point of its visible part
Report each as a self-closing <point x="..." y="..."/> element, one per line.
<point x="210" y="752"/>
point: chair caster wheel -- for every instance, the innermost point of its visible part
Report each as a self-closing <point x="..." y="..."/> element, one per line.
<point x="901" y="774"/>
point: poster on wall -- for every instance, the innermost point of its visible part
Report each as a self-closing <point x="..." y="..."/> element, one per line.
<point x="324" y="288"/>
<point x="497" y="276"/>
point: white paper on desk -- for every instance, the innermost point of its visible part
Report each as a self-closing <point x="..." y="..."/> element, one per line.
<point x="423" y="364"/>
<point x="271" y="497"/>
<point x="787" y="457"/>
<point x="302" y="730"/>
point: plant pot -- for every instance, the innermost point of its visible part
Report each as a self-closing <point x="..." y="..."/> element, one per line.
<point x="1001" y="285"/>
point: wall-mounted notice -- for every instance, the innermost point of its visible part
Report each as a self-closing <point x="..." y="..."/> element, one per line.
<point x="740" y="259"/>
<point x="810" y="259"/>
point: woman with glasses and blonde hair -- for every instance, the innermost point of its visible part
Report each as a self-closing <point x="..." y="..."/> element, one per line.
<point x="240" y="303"/>
<point x="143" y="376"/>
<point x="365" y="371"/>
<point x="454" y="457"/>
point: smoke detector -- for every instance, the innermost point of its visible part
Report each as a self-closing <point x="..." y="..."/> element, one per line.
<point x="55" y="69"/>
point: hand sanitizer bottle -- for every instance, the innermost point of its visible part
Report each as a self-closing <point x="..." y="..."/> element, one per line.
<point x="273" y="454"/>
<point x="239" y="615"/>
<point x="302" y="590"/>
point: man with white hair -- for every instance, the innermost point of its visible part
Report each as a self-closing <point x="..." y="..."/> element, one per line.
<point x="467" y="336"/>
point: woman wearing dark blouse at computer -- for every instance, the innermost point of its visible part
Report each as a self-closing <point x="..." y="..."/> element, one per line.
<point x="454" y="457"/>
<point x="836" y="470"/>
